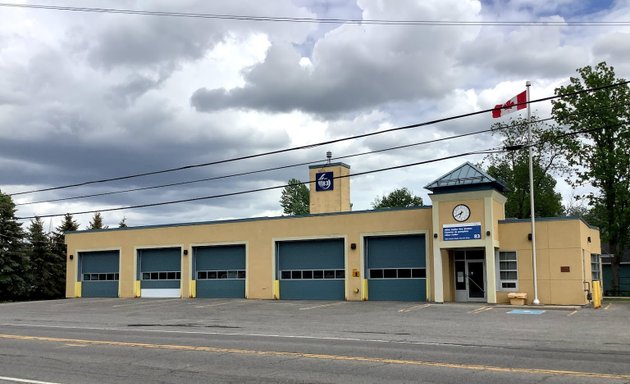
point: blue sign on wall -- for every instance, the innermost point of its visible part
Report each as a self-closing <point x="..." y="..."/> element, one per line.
<point x="324" y="181"/>
<point x="468" y="231"/>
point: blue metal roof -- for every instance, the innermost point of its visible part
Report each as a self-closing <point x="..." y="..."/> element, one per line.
<point x="466" y="176"/>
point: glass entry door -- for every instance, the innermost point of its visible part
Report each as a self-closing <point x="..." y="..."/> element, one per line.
<point x="470" y="284"/>
<point x="476" y="283"/>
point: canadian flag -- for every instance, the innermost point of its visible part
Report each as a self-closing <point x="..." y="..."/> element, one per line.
<point x="516" y="103"/>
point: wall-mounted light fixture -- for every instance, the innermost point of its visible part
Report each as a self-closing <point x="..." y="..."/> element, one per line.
<point x="487" y="233"/>
<point x="435" y="235"/>
<point x="185" y="252"/>
<point x="588" y="239"/>
<point x="353" y="246"/>
<point x="529" y="236"/>
<point x="71" y="257"/>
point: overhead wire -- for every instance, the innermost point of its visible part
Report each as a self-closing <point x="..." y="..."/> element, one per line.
<point x="313" y="145"/>
<point x="249" y="191"/>
<point x="188" y="182"/>
<point x="320" y="20"/>
<point x="487" y="151"/>
<point x="490" y="150"/>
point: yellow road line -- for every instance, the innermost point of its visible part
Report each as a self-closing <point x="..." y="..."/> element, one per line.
<point x="409" y="309"/>
<point x="479" y="310"/>
<point x="316" y="356"/>
<point x="321" y="306"/>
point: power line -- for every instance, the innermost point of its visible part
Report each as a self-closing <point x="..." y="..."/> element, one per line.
<point x="308" y="146"/>
<point x="317" y="20"/>
<point x="490" y="150"/>
<point x="432" y="141"/>
<point x="485" y="151"/>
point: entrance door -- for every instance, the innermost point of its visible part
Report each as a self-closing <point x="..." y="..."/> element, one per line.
<point x="476" y="284"/>
<point x="470" y="284"/>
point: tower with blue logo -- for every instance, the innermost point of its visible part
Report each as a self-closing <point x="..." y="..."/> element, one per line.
<point x="329" y="186"/>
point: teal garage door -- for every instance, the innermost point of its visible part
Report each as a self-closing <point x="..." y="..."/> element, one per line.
<point x="311" y="269"/>
<point x="396" y="268"/>
<point x="99" y="273"/>
<point x="219" y="271"/>
<point x="159" y="272"/>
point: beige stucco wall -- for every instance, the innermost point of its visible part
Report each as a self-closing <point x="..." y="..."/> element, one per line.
<point x="259" y="236"/>
<point x="559" y="243"/>
<point x="335" y="200"/>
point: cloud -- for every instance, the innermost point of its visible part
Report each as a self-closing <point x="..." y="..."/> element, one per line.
<point x="86" y="96"/>
<point x="353" y="67"/>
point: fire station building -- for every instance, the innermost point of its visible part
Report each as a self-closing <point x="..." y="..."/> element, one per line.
<point x="459" y="249"/>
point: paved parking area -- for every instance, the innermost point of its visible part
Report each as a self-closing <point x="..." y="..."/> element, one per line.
<point x="478" y="324"/>
<point x="256" y="341"/>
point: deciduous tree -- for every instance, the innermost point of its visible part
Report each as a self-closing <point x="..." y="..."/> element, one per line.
<point x="295" y="198"/>
<point x="512" y="167"/>
<point x="599" y="149"/>
<point x="398" y="198"/>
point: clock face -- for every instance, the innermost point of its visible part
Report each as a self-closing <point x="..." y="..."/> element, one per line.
<point x="461" y="212"/>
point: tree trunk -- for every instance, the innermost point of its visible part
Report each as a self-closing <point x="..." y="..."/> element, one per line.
<point x="615" y="264"/>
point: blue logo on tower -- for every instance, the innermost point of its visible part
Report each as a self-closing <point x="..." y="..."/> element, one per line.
<point x="324" y="181"/>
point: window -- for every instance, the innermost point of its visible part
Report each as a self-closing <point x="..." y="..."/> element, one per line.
<point x="328" y="274"/>
<point x="100" y="277"/>
<point x="169" y="275"/>
<point x="595" y="267"/>
<point x="508" y="271"/>
<point x="213" y="275"/>
<point x="399" y="273"/>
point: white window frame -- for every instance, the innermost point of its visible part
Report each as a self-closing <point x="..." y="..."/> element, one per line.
<point x="597" y="264"/>
<point x="500" y="281"/>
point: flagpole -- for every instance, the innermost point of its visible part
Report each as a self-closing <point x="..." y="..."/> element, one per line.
<point x="531" y="194"/>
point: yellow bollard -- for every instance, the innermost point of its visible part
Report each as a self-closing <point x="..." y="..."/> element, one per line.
<point x="77" y="289"/>
<point x="193" y="289"/>
<point x="136" y="288"/>
<point x="597" y="294"/>
<point x="276" y="289"/>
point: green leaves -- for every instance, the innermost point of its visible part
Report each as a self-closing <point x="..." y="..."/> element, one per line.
<point x="601" y="156"/>
<point x="398" y="198"/>
<point x="295" y="199"/>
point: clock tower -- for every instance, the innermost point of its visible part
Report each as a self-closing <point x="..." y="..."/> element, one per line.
<point x="467" y="205"/>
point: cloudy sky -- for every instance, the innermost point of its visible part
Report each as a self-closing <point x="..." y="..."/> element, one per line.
<point x="87" y="96"/>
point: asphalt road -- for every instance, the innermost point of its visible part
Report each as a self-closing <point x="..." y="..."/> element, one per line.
<point x="247" y="341"/>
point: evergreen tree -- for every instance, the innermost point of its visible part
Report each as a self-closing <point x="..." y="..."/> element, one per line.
<point x="398" y="198"/>
<point x="60" y="253"/>
<point x="123" y="223"/>
<point x="97" y="222"/>
<point x="44" y="263"/>
<point x="13" y="261"/>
